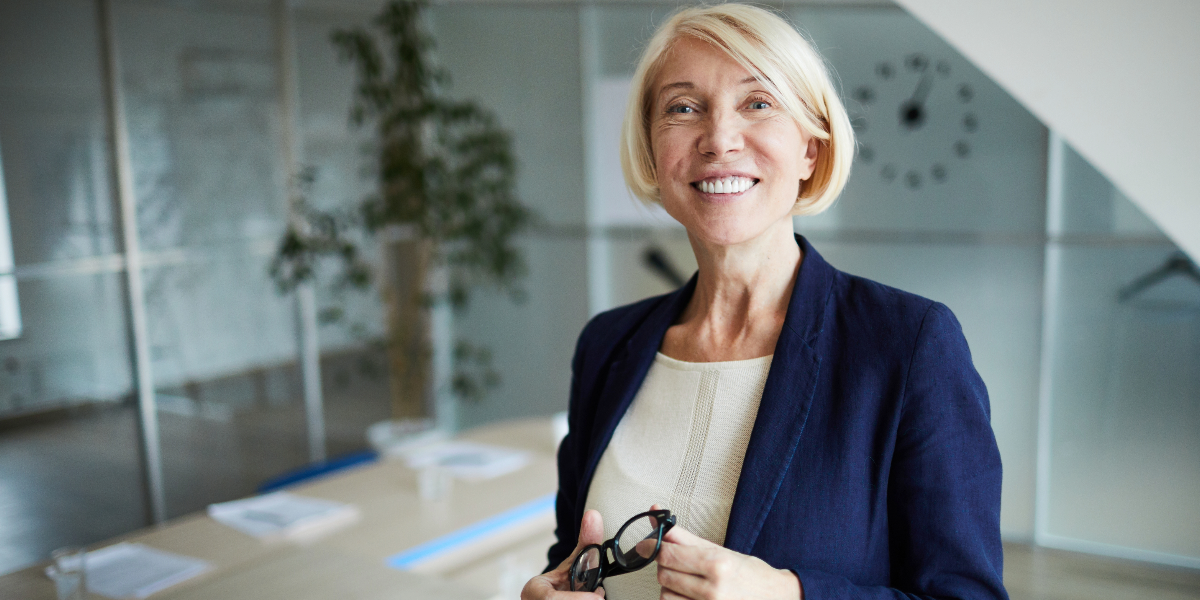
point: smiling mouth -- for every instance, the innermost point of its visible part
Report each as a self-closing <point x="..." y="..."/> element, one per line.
<point x="725" y="185"/>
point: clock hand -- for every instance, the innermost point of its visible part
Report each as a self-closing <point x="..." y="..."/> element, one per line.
<point x="912" y="111"/>
<point x="922" y="91"/>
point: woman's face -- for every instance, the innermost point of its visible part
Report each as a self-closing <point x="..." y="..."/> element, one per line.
<point x="729" y="158"/>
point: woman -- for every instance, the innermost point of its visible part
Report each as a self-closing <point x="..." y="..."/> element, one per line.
<point x="816" y="434"/>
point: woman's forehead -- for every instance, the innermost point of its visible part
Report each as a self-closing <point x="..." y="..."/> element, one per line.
<point x="691" y="62"/>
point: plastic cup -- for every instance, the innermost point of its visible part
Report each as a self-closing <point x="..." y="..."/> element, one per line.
<point x="434" y="482"/>
<point x="68" y="570"/>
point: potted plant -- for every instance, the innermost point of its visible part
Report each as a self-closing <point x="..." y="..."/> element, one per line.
<point x="445" y="213"/>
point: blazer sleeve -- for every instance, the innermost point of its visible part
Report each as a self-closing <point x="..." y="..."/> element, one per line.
<point x="944" y="484"/>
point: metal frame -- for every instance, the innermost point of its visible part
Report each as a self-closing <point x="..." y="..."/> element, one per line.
<point x="306" y="302"/>
<point x="1050" y="293"/>
<point x="135" y="305"/>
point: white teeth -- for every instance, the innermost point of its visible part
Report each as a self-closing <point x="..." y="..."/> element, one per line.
<point x="725" y="185"/>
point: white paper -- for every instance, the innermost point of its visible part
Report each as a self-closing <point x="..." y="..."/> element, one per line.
<point x="467" y="460"/>
<point x="128" y="570"/>
<point x="280" y="514"/>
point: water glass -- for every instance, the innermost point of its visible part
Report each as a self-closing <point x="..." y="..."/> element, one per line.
<point x="67" y="569"/>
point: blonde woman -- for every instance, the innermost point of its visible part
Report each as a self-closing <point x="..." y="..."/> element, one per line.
<point x="812" y="434"/>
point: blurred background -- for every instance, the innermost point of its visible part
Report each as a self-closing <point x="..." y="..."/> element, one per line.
<point x="1080" y="311"/>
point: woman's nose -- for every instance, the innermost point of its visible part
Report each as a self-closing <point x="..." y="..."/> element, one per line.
<point x="722" y="135"/>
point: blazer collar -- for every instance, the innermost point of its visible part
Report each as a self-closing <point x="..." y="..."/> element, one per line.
<point x="782" y="411"/>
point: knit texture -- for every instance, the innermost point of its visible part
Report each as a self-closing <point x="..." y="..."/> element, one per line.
<point x="680" y="445"/>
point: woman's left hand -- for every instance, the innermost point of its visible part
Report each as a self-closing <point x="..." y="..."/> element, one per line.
<point x="693" y="568"/>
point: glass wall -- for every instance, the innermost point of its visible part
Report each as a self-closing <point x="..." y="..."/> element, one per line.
<point x="353" y="362"/>
<point x="202" y="99"/>
<point x="1124" y="458"/>
<point x="530" y="76"/>
<point x="69" y="470"/>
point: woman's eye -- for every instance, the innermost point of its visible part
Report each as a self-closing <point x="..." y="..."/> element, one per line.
<point x="680" y="109"/>
<point x="759" y="105"/>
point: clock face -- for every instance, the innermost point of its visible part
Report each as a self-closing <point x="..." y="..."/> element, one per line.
<point x="914" y="121"/>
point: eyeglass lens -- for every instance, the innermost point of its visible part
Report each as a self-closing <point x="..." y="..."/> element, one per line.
<point x="636" y="542"/>
<point x="586" y="573"/>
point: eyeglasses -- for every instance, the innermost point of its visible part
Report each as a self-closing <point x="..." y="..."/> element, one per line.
<point x="636" y="544"/>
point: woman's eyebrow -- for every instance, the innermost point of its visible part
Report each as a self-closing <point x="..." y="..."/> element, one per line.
<point x="680" y="85"/>
<point x="687" y="85"/>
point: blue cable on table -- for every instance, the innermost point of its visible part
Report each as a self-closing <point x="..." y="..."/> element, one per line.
<point x="318" y="469"/>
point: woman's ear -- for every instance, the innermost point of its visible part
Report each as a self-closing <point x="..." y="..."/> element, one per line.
<point x="809" y="161"/>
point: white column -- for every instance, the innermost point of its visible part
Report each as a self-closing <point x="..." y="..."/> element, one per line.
<point x="599" y="251"/>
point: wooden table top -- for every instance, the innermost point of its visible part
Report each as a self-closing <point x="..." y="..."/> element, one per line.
<point x="350" y="563"/>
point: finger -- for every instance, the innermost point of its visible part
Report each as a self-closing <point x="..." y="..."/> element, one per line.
<point x="670" y="595"/>
<point x="686" y="585"/>
<point x="683" y="537"/>
<point x="543" y="587"/>
<point x="591" y="529"/>
<point x="686" y="559"/>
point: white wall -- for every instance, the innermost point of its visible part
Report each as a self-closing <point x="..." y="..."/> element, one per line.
<point x="1117" y="79"/>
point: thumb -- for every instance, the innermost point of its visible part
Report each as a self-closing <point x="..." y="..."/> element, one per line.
<point x="683" y="537"/>
<point x="591" y="529"/>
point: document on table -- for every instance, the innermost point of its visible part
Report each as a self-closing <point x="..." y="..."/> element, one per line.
<point x="469" y="461"/>
<point x="128" y="570"/>
<point x="284" y="515"/>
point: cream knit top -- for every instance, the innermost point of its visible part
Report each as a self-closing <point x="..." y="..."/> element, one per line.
<point x="680" y="445"/>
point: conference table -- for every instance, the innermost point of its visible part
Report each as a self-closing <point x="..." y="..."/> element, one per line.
<point x="479" y="542"/>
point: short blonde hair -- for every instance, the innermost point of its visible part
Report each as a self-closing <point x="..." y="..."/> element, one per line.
<point x="793" y="72"/>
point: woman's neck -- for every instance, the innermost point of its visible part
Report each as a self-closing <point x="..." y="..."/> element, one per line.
<point x="741" y="298"/>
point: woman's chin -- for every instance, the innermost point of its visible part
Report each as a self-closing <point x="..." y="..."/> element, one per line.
<point x="728" y="236"/>
<point x="737" y="232"/>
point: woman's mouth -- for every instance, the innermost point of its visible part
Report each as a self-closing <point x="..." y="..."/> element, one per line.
<point x="725" y="185"/>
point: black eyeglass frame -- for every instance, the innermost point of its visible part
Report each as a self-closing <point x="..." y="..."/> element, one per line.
<point x="618" y="566"/>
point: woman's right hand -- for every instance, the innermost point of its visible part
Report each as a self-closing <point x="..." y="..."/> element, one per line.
<point x="553" y="585"/>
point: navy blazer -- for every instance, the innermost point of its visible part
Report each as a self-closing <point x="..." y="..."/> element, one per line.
<point x="872" y="470"/>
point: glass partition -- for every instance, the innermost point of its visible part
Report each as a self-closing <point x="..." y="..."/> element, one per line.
<point x="1124" y="468"/>
<point x="69" y="470"/>
<point x="354" y="363"/>
<point x="202" y="101"/>
<point x="522" y="62"/>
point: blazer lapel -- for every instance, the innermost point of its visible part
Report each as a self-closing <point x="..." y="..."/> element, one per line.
<point x="786" y="400"/>
<point x="626" y="372"/>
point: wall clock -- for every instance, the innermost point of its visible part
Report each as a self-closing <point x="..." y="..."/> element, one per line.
<point x="914" y="121"/>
